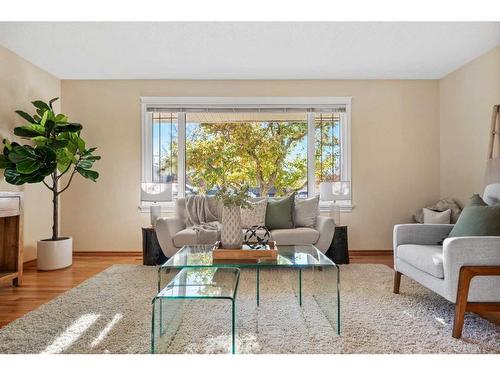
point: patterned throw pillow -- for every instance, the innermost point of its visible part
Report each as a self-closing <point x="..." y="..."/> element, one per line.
<point x="254" y="215"/>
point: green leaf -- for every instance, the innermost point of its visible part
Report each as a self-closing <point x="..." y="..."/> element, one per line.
<point x="40" y="140"/>
<point x="34" y="177"/>
<point x="85" y="164"/>
<point x="81" y="145"/>
<point x="26" y="131"/>
<point x="44" y="118"/>
<point x="46" y="154"/>
<point x="37" y="119"/>
<point x="4" y="162"/>
<point x="87" y="173"/>
<point x="28" y="166"/>
<point x="12" y="176"/>
<point x="52" y="101"/>
<point x="61" y="119"/>
<point x="91" y="157"/>
<point x="26" y="116"/>
<point x="41" y="105"/>
<point x="22" y="153"/>
<point x="49" y="126"/>
<point x="73" y="128"/>
<point x="29" y="160"/>
<point x="64" y="159"/>
<point x="7" y="144"/>
<point x="57" y="143"/>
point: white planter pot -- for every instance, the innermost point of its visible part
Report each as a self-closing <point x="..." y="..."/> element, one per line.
<point x="54" y="255"/>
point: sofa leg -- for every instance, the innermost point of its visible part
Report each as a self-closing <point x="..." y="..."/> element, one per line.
<point x="397" y="282"/>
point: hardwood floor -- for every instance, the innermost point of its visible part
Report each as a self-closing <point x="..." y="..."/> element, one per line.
<point x="40" y="287"/>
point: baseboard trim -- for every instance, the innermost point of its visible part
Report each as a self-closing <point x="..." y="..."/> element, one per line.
<point x="370" y="252"/>
<point x="107" y="253"/>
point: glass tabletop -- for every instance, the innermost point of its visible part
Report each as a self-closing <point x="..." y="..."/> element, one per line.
<point x="290" y="256"/>
<point x="202" y="282"/>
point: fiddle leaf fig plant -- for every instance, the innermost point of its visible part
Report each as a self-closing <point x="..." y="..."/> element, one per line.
<point x="56" y="149"/>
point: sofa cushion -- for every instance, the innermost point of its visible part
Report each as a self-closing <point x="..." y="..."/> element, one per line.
<point x="306" y="212"/>
<point x="426" y="258"/>
<point x="185" y="237"/>
<point x="279" y="213"/>
<point x="297" y="236"/>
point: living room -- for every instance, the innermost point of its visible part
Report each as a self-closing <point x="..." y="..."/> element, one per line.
<point x="249" y="187"/>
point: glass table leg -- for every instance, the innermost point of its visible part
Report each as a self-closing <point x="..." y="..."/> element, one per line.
<point x="258" y="286"/>
<point x="326" y="292"/>
<point x="233" y="347"/>
<point x="300" y="286"/>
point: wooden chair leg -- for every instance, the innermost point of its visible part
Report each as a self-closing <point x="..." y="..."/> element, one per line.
<point x="464" y="279"/>
<point x="397" y="282"/>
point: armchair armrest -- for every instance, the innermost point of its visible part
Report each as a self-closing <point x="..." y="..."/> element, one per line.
<point x="420" y="234"/>
<point x="326" y="227"/>
<point x="471" y="251"/>
<point x="166" y="228"/>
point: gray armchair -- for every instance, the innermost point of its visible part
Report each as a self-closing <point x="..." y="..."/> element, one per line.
<point x="450" y="270"/>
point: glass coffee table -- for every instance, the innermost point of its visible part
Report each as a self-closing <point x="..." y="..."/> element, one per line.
<point x="323" y="285"/>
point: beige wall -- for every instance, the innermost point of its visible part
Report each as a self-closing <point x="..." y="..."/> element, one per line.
<point x="412" y="141"/>
<point x="20" y="83"/>
<point x="395" y="152"/>
<point x="466" y="99"/>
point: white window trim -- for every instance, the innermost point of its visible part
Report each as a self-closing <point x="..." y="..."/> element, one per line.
<point x="242" y="102"/>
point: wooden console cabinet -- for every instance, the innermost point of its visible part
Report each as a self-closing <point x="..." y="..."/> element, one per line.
<point x="11" y="237"/>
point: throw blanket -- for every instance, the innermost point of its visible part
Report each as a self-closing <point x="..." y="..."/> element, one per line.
<point x="202" y="214"/>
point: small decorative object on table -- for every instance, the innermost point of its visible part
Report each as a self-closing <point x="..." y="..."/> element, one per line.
<point x="152" y="254"/>
<point x="253" y="237"/>
<point x="269" y="252"/>
<point x="233" y="197"/>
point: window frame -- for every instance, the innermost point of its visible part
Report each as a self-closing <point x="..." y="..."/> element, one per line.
<point x="207" y="102"/>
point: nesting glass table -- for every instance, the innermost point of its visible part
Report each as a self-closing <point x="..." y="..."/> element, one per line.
<point x="322" y="282"/>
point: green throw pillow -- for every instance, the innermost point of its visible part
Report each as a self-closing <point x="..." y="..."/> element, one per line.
<point x="477" y="219"/>
<point x="279" y="213"/>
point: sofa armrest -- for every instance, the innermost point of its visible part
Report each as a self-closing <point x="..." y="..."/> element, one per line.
<point x="166" y="228"/>
<point x="469" y="251"/>
<point x="326" y="227"/>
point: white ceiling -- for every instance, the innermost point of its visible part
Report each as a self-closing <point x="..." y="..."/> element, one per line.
<point x="242" y="50"/>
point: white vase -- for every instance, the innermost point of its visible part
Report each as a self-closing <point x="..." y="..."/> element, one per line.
<point x="231" y="234"/>
<point x="54" y="255"/>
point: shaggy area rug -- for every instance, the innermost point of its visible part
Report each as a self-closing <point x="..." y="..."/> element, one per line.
<point x="111" y="313"/>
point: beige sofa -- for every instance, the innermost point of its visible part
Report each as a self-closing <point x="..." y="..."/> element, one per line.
<point x="172" y="232"/>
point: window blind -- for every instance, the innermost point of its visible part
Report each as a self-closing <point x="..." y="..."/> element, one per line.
<point x="243" y="109"/>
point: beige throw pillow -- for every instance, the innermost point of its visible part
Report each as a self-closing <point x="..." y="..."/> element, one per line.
<point x="255" y="214"/>
<point x="436" y="217"/>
